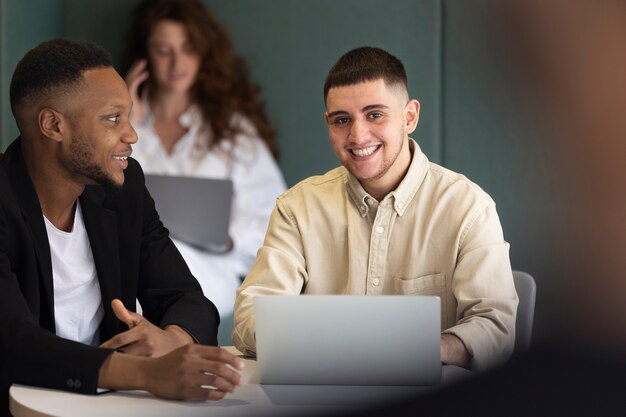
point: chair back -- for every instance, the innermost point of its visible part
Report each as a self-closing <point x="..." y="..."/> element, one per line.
<point x="526" y="291"/>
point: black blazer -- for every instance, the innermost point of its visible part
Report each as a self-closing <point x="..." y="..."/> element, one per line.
<point x="134" y="259"/>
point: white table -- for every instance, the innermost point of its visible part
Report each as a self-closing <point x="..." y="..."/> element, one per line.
<point x="251" y="399"/>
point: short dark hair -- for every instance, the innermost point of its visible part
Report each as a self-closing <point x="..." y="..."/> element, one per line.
<point x="58" y="63"/>
<point x="365" y="64"/>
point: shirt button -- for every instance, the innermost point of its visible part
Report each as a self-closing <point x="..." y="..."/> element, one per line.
<point x="77" y="383"/>
<point x="376" y="282"/>
<point x="399" y="205"/>
<point x="70" y="383"/>
<point x="380" y="229"/>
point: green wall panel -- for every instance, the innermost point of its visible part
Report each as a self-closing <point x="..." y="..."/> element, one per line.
<point x="102" y="22"/>
<point x="291" y="45"/>
<point x="23" y="25"/>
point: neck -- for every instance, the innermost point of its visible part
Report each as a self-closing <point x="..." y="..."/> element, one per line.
<point x="57" y="193"/>
<point x="380" y="187"/>
<point x="169" y="106"/>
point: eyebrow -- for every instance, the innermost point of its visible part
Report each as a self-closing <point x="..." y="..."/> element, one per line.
<point x="112" y="107"/>
<point x="118" y="106"/>
<point x="363" y="110"/>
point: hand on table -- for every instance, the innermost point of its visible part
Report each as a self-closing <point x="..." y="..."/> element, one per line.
<point x="192" y="372"/>
<point x="142" y="337"/>
<point x="195" y="373"/>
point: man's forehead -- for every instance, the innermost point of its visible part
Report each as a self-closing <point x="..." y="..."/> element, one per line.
<point x="101" y="75"/>
<point x="104" y="84"/>
<point x="362" y="94"/>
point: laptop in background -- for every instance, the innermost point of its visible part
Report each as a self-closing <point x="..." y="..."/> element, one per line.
<point x="348" y="340"/>
<point x="194" y="210"/>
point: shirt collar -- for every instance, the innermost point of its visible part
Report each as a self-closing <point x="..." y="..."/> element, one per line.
<point x="189" y="118"/>
<point x="405" y="191"/>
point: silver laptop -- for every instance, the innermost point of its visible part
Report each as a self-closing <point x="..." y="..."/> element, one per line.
<point x="348" y="340"/>
<point x="195" y="210"/>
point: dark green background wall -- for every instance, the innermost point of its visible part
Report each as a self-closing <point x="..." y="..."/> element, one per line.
<point x="473" y="118"/>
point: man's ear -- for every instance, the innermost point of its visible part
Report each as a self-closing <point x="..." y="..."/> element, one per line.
<point x="326" y="119"/>
<point x="411" y="115"/>
<point x="51" y="124"/>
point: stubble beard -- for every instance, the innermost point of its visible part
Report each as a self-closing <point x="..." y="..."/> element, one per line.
<point x="387" y="163"/>
<point x="82" y="163"/>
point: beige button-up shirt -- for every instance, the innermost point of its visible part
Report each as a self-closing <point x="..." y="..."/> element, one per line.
<point x="436" y="234"/>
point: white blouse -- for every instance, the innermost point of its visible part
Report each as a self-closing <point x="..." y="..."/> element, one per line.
<point x="257" y="181"/>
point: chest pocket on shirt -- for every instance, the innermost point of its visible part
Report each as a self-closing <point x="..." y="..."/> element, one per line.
<point x="433" y="284"/>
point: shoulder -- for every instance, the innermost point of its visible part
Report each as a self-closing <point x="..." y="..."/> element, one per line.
<point x="331" y="183"/>
<point x="447" y="181"/>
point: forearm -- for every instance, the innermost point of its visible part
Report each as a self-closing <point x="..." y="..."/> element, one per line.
<point x="483" y="287"/>
<point x="183" y="374"/>
<point x="123" y="372"/>
<point x="182" y="335"/>
<point x="453" y="351"/>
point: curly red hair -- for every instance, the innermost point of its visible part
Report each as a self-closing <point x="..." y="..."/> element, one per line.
<point x="223" y="87"/>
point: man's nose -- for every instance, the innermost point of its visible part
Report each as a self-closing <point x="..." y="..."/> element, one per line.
<point x="129" y="135"/>
<point x="358" y="130"/>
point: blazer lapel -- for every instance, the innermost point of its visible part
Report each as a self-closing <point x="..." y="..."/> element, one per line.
<point x="101" y="226"/>
<point x="28" y="201"/>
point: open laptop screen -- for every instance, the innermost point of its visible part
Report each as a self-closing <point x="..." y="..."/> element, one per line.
<point x="344" y="339"/>
<point x="195" y="210"/>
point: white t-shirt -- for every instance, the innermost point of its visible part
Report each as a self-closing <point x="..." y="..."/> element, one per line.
<point x="77" y="300"/>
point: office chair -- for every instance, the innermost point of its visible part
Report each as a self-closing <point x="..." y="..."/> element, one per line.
<point x="526" y="291"/>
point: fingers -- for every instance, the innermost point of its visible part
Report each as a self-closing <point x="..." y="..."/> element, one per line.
<point x="187" y="374"/>
<point x="142" y="340"/>
<point x="217" y="354"/>
<point x="215" y="378"/>
<point x="126" y="342"/>
<point x="219" y="368"/>
<point x="131" y="319"/>
<point x="136" y="75"/>
<point x="223" y="377"/>
<point x="216" y="366"/>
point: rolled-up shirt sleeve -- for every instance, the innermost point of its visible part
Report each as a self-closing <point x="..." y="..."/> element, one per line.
<point x="485" y="293"/>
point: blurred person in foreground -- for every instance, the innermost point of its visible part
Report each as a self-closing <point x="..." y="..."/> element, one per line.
<point x="388" y="222"/>
<point x="198" y="114"/>
<point x="571" y="56"/>
<point x="80" y="241"/>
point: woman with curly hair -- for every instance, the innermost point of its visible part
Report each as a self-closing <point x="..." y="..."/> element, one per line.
<point x="197" y="113"/>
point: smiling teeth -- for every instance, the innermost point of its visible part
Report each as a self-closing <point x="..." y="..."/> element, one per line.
<point x="365" y="151"/>
<point x="121" y="158"/>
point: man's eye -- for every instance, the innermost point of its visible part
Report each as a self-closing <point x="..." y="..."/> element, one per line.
<point x="375" y="115"/>
<point x="341" y="120"/>
<point x="115" y="118"/>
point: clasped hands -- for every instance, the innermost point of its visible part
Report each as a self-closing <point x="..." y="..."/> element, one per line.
<point x="142" y="337"/>
<point x="166" y="362"/>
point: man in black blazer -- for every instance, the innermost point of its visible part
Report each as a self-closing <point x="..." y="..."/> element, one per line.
<point x="71" y="163"/>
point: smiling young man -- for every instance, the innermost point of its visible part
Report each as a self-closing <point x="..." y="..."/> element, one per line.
<point x="388" y="222"/>
<point x="80" y="239"/>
